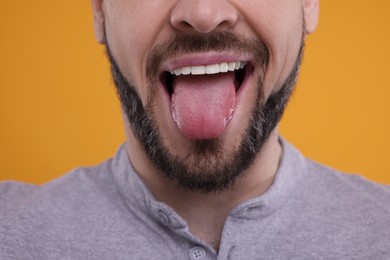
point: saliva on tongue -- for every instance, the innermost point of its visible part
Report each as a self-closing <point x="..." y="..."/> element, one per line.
<point x="203" y="105"/>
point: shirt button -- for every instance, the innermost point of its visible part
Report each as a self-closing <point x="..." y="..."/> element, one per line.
<point x="164" y="218"/>
<point x="197" y="253"/>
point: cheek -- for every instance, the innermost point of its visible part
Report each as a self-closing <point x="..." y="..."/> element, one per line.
<point x="283" y="58"/>
<point x="131" y="33"/>
<point x="282" y="33"/>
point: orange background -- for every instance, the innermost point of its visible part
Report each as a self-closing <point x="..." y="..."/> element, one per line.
<point x="58" y="108"/>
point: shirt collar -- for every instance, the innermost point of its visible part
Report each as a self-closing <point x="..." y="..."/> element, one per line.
<point x="292" y="168"/>
<point x="140" y="200"/>
<point x="137" y="196"/>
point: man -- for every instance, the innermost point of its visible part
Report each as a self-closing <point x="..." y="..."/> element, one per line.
<point x="204" y="173"/>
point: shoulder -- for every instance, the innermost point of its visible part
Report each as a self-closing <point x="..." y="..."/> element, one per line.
<point x="75" y="183"/>
<point x="339" y="214"/>
<point x="346" y="186"/>
<point x="46" y="213"/>
<point x="11" y="190"/>
<point x="348" y="207"/>
<point x="325" y="185"/>
<point x="90" y="213"/>
<point x="69" y="190"/>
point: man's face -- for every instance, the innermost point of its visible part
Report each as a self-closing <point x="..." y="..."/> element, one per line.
<point x="203" y="83"/>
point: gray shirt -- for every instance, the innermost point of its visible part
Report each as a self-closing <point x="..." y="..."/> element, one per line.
<point x="106" y="212"/>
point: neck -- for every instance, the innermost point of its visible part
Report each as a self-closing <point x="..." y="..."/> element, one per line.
<point x="207" y="213"/>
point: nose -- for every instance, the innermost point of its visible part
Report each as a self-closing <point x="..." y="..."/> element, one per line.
<point x="203" y="16"/>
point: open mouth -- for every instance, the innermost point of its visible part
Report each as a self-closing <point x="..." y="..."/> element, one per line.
<point x="241" y="70"/>
<point x="203" y="98"/>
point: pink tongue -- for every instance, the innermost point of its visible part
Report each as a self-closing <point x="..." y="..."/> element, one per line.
<point x="203" y="105"/>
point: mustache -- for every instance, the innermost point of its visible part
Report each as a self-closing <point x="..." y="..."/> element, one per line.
<point x="184" y="43"/>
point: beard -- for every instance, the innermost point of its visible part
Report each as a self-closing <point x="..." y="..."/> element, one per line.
<point x="208" y="166"/>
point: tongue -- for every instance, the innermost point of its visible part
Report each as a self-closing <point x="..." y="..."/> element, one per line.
<point x="203" y="105"/>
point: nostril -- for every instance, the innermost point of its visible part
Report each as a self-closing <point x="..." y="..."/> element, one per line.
<point x="183" y="25"/>
<point x="224" y="24"/>
<point x="186" y="25"/>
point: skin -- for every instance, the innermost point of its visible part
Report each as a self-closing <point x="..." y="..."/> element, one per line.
<point x="133" y="27"/>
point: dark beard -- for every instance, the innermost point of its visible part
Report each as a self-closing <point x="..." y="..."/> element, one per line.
<point x="208" y="167"/>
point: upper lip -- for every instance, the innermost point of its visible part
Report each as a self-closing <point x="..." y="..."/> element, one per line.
<point x="204" y="59"/>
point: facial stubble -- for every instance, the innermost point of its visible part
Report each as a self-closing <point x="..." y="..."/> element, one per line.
<point x="208" y="166"/>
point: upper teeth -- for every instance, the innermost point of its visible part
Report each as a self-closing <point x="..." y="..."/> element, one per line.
<point x="209" y="69"/>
